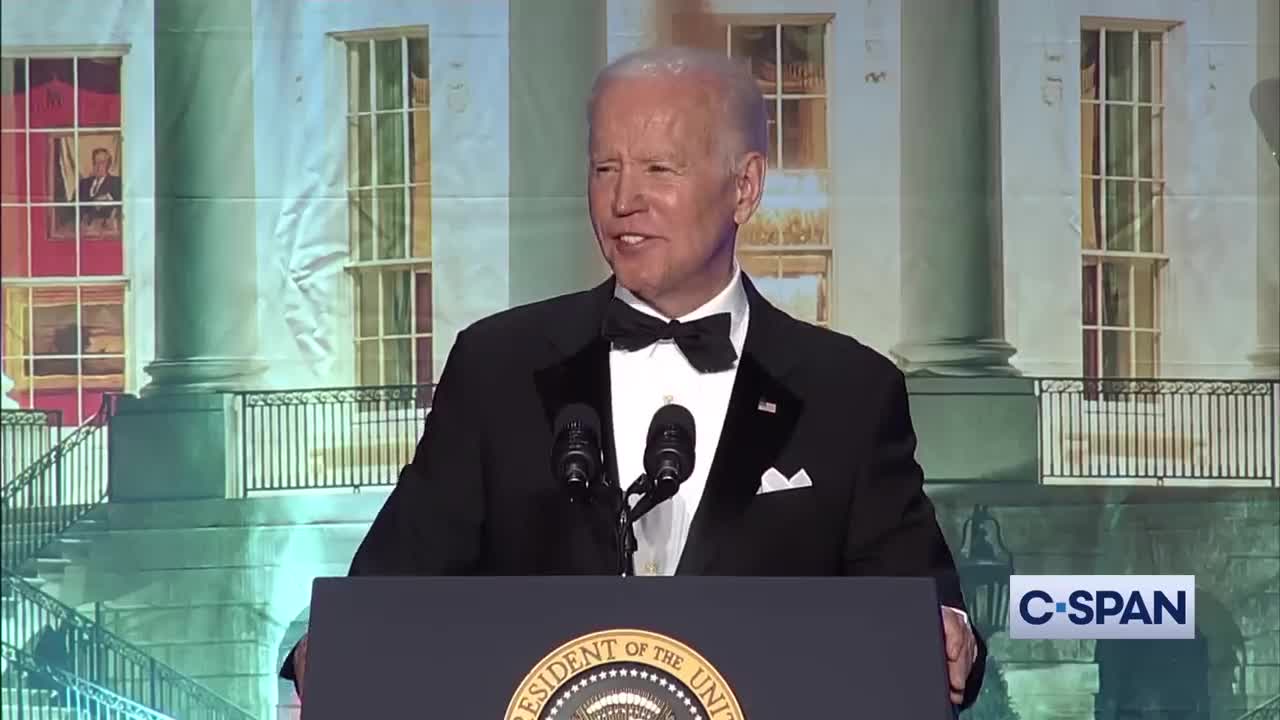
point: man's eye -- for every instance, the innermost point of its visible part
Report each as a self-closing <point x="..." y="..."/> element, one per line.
<point x="661" y="168"/>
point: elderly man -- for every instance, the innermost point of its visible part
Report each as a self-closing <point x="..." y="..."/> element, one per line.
<point x="678" y="141"/>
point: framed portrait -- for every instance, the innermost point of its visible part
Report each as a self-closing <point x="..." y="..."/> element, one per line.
<point x="87" y="176"/>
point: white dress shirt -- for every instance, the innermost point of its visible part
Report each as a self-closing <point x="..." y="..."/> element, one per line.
<point x="644" y="380"/>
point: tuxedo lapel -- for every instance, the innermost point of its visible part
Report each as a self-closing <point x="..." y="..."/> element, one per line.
<point x="582" y="376"/>
<point x="760" y="418"/>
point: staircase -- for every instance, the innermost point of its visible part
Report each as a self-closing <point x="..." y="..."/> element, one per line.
<point x="49" y="500"/>
<point x="89" y="651"/>
<point x="48" y="488"/>
<point x="53" y="492"/>
<point x="1269" y="710"/>
<point x="25" y="435"/>
<point x="34" y="690"/>
<point x="212" y="587"/>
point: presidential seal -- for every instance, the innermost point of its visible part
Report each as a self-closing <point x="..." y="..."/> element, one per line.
<point x="623" y="675"/>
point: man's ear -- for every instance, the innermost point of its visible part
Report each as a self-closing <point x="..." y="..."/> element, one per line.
<point x="748" y="181"/>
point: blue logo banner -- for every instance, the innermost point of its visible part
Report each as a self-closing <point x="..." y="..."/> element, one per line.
<point x="1102" y="607"/>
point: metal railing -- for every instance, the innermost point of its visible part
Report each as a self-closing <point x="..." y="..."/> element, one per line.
<point x="1269" y="710"/>
<point x="56" y="490"/>
<point x="94" y="654"/>
<point x="25" y="435"/>
<point x="1158" y="430"/>
<point x="37" y="690"/>
<point x="328" y="438"/>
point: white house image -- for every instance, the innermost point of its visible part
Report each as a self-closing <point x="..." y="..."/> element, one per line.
<point x="239" y="238"/>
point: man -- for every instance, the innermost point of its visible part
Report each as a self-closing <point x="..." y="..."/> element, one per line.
<point x="101" y="186"/>
<point x="678" y="143"/>
<point x="53" y="649"/>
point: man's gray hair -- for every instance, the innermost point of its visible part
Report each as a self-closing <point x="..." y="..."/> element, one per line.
<point x="739" y="96"/>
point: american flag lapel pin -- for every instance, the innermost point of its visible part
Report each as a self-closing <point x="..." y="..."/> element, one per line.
<point x="766" y="406"/>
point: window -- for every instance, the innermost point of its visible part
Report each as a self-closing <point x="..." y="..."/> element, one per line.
<point x="787" y="245"/>
<point x="1122" y="190"/>
<point x="389" y="205"/>
<point x="62" y="231"/>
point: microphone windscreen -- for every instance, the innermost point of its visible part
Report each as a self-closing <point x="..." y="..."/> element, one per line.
<point x="673" y="414"/>
<point x="584" y="415"/>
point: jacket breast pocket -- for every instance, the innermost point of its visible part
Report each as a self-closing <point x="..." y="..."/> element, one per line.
<point x="785" y="533"/>
<point x="789" y="509"/>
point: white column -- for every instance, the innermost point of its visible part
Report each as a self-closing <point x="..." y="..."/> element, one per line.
<point x="557" y="46"/>
<point x="952" y="288"/>
<point x="639" y="24"/>
<point x="206" y="232"/>
<point x="1266" y="354"/>
<point x="632" y="26"/>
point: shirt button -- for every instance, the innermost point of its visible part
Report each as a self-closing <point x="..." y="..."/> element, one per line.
<point x="668" y="399"/>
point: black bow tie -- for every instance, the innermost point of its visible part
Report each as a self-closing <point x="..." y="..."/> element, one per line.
<point x="704" y="342"/>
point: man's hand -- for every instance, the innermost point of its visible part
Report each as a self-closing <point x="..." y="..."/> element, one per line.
<point x="300" y="664"/>
<point x="962" y="650"/>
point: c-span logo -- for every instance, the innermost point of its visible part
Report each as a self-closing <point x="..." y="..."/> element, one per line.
<point x="631" y="674"/>
<point x="1102" y="607"/>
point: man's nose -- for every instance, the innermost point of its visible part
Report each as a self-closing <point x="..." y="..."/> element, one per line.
<point x="628" y="195"/>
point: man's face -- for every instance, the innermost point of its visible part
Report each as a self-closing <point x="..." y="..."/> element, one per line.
<point x="101" y="163"/>
<point x="662" y="198"/>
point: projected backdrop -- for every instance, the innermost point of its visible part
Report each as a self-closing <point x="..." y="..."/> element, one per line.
<point x="240" y="237"/>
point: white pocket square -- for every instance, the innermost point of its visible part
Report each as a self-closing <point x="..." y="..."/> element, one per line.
<point x="774" y="481"/>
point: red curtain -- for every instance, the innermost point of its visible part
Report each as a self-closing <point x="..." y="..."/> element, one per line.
<point x="56" y="167"/>
<point x="55" y="113"/>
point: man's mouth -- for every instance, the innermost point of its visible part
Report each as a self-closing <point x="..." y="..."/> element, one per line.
<point x="631" y="240"/>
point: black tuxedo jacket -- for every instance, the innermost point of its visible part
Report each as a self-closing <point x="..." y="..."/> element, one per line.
<point x="110" y="186"/>
<point x="479" y="496"/>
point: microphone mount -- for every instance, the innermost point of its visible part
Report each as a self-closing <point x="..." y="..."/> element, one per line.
<point x="651" y="495"/>
<point x="626" y="526"/>
<point x="668" y="460"/>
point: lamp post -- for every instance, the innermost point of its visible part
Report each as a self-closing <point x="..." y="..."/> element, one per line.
<point x="984" y="570"/>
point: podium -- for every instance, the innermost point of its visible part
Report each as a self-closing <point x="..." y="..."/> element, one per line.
<point x="608" y="648"/>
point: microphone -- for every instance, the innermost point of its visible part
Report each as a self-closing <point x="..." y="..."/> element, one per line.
<point x="668" y="456"/>
<point x="576" y="459"/>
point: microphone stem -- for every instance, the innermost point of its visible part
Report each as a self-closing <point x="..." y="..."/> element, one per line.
<point x="627" y="533"/>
